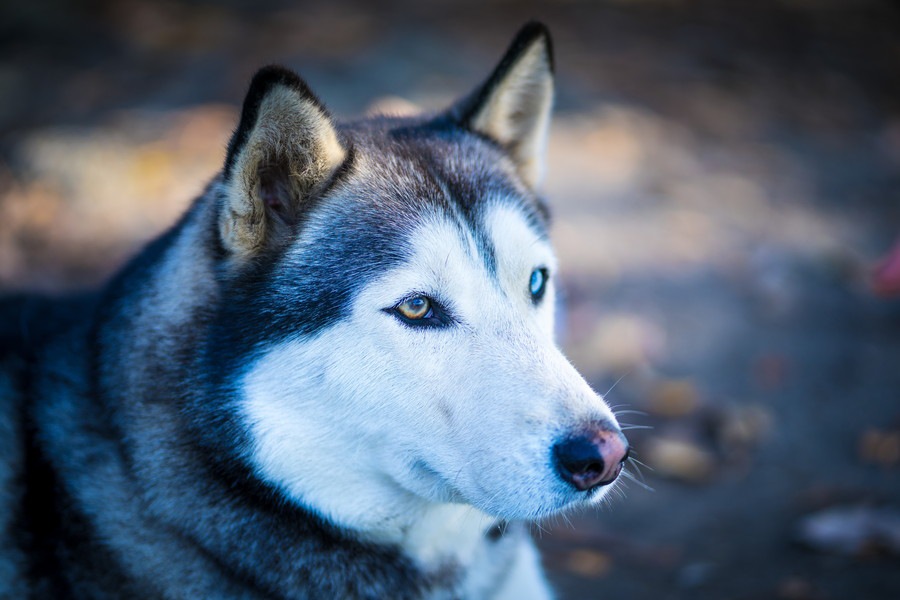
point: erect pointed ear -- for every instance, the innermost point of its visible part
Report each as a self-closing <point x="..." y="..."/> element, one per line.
<point x="283" y="150"/>
<point x="513" y="105"/>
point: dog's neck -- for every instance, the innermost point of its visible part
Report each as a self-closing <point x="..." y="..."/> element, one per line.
<point x="437" y="533"/>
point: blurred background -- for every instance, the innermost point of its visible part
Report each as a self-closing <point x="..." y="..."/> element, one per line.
<point x="724" y="176"/>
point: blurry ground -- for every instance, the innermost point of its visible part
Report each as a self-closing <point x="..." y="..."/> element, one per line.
<point x="724" y="176"/>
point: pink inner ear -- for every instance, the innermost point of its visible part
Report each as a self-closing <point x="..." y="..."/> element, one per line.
<point x="271" y="198"/>
<point x="275" y="190"/>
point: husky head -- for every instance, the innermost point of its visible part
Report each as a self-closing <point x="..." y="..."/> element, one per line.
<point x="386" y="326"/>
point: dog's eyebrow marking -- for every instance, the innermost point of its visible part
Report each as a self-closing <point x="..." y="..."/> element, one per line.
<point x="464" y="215"/>
<point x="471" y="231"/>
<point x="488" y="252"/>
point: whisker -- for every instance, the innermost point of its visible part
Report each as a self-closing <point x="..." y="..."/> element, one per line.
<point x="632" y="459"/>
<point x="617" y="490"/>
<point x="635" y="480"/>
<point x="613" y="386"/>
<point x="629" y="412"/>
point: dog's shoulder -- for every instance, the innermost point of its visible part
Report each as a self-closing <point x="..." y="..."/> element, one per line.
<point x="28" y="326"/>
<point x="29" y="321"/>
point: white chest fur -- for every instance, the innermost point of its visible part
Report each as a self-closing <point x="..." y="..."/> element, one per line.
<point x="453" y="532"/>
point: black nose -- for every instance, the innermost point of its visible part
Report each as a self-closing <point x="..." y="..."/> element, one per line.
<point x="592" y="457"/>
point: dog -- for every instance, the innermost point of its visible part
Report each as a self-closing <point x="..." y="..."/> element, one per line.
<point x="334" y="377"/>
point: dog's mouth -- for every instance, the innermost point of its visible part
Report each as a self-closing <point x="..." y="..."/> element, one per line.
<point x="539" y="493"/>
<point x="433" y="485"/>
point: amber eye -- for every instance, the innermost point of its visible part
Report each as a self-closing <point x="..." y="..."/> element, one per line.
<point x="421" y="311"/>
<point x="415" y="308"/>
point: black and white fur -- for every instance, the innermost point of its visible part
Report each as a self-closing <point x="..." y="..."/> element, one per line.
<point x="242" y="412"/>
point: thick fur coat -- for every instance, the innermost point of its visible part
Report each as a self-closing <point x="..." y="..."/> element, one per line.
<point x="335" y="377"/>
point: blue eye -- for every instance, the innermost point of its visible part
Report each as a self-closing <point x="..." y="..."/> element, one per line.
<point x="538" y="284"/>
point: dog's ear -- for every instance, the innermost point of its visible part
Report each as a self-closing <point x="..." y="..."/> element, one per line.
<point x="513" y="105"/>
<point x="284" y="149"/>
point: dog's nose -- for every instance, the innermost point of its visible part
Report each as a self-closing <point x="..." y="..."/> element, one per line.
<point x="592" y="457"/>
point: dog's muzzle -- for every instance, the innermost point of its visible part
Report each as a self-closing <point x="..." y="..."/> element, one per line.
<point x="592" y="457"/>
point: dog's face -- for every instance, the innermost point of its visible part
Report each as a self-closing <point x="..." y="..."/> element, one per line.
<point x="402" y="351"/>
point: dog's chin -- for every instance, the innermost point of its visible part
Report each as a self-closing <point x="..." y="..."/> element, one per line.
<point x="533" y="501"/>
<point x="595" y="495"/>
<point x="530" y="506"/>
<point x="556" y="502"/>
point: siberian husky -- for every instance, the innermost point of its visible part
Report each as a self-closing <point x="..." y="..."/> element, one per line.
<point x="334" y="377"/>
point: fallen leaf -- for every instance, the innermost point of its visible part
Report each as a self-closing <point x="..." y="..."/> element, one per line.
<point x="880" y="447"/>
<point x="588" y="563"/>
<point x="851" y="531"/>
<point x="674" y="398"/>
<point x="680" y="459"/>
